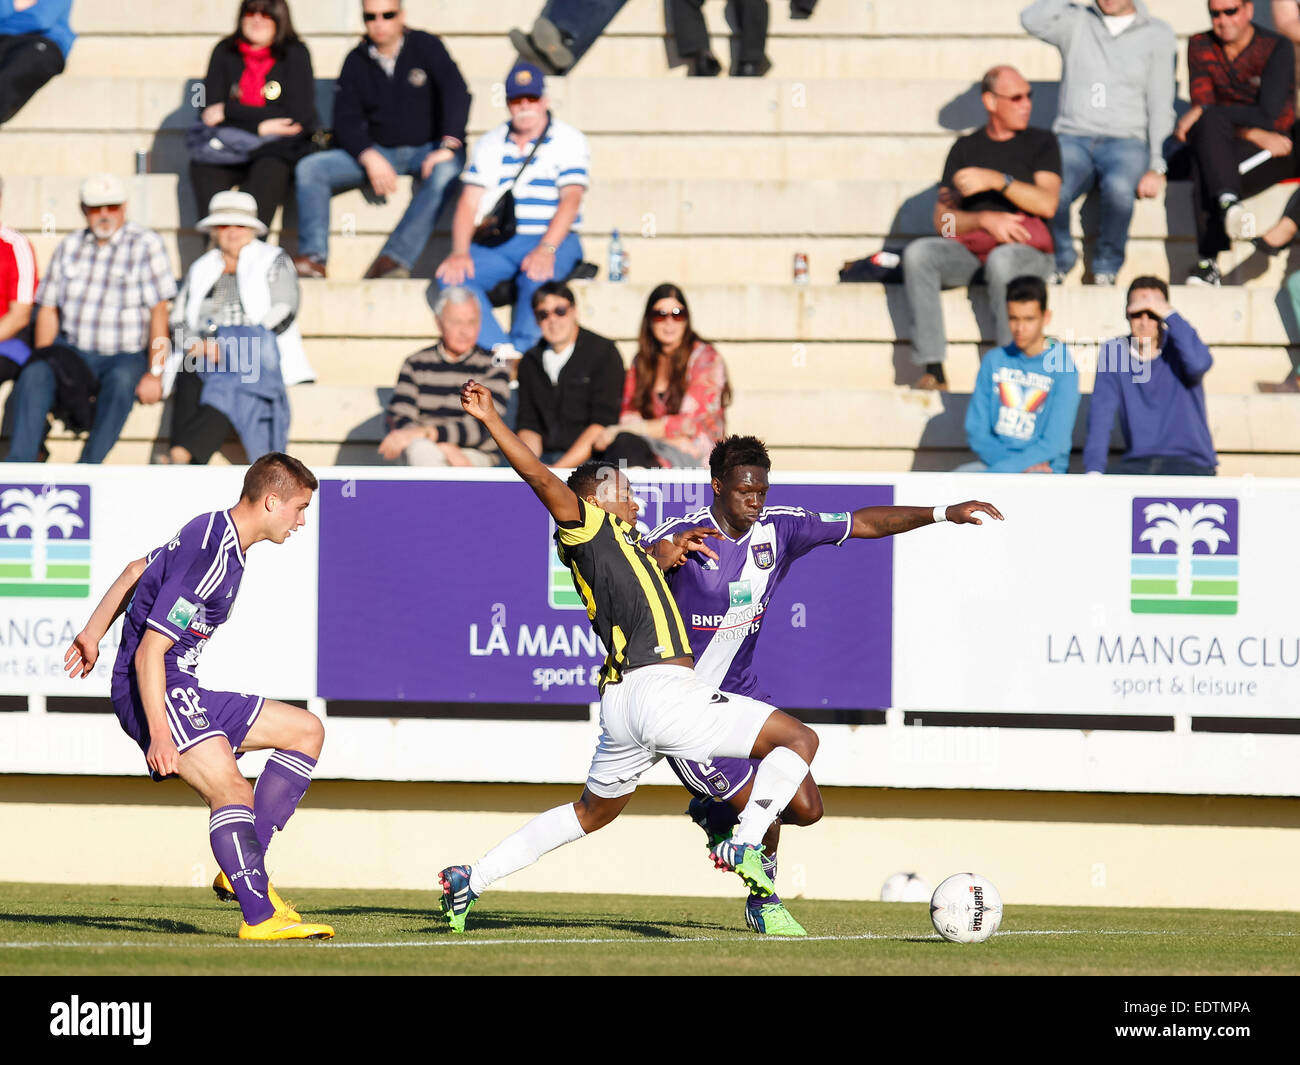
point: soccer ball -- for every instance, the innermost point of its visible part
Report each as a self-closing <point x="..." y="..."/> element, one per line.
<point x="966" y="908"/>
<point x="905" y="887"/>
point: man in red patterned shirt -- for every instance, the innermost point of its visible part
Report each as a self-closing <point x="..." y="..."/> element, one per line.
<point x="17" y="294"/>
<point x="1243" y="103"/>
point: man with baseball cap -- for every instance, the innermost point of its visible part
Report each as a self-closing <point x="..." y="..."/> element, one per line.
<point x="103" y="303"/>
<point x="543" y="163"/>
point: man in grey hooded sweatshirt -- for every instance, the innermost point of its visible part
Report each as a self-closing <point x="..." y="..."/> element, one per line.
<point x="1116" y="109"/>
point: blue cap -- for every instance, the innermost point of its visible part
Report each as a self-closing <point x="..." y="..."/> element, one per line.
<point x="525" y="80"/>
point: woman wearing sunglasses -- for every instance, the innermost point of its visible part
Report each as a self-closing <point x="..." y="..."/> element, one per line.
<point x="259" y="81"/>
<point x="675" y="394"/>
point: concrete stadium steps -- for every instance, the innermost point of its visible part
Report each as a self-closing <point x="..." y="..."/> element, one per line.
<point x="1239" y="317"/>
<point x="831" y="155"/>
<point x="615" y="155"/>
<point x="933" y="18"/>
<point x="813" y="59"/>
<point x="939" y="460"/>
<point x="891" y="423"/>
<point x="756" y="364"/>
<point x="697" y="105"/>
<point x="831" y="221"/>
<point x="761" y="260"/>
<point x="652" y="207"/>
<point x="924" y="420"/>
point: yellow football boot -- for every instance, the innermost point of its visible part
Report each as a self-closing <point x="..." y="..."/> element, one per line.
<point x="281" y="926"/>
<point x="222" y="889"/>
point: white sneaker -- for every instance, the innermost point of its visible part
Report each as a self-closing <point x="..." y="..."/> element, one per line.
<point x="1239" y="223"/>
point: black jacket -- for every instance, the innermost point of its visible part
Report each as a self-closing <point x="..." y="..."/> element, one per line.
<point x="589" y="392"/>
<point x="425" y="100"/>
<point x="75" y="386"/>
<point x="292" y="75"/>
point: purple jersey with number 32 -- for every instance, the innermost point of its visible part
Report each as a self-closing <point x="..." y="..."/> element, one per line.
<point x="723" y="602"/>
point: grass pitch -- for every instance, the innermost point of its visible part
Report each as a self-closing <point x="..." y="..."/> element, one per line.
<point x="94" y="930"/>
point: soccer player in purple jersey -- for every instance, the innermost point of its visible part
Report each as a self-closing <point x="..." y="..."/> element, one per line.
<point x="175" y="598"/>
<point x="723" y="600"/>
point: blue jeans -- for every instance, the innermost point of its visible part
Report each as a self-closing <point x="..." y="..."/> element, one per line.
<point x="494" y="265"/>
<point x="34" y="398"/>
<point x="1113" y="164"/>
<point x="1161" y="465"/>
<point x="583" y="20"/>
<point x="320" y="175"/>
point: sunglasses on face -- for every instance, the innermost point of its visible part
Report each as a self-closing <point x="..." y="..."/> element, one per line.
<point x="1224" y="12"/>
<point x="249" y="10"/>
<point x="1133" y="315"/>
<point x="370" y="16"/>
<point x="107" y="208"/>
<point x="1016" y="98"/>
<point x="559" y="312"/>
<point x="676" y="312"/>
<point x="523" y="99"/>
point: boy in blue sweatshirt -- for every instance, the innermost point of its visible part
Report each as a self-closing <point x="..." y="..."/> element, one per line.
<point x="1021" y="414"/>
<point x="1152" y="378"/>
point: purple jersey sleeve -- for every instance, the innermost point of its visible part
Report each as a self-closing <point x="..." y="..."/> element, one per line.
<point x="804" y="529"/>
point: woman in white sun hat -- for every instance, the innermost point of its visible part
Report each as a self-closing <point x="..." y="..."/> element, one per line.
<point x="237" y="344"/>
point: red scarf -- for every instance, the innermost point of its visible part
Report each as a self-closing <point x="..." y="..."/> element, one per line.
<point x="257" y="65"/>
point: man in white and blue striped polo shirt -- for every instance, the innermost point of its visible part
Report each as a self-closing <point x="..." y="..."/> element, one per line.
<point x="548" y="208"/>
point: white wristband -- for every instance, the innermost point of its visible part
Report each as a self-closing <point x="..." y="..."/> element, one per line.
<point x="940" y="514"/>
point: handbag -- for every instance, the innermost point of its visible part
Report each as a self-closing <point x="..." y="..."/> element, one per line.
<point x="498" y="225"/>
<point x="222" y="145"/>
<point x="980" y="242"/>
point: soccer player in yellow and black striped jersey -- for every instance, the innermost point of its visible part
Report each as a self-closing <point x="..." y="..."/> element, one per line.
<point x="652" y="704"/>
<point x="623" y="588"/>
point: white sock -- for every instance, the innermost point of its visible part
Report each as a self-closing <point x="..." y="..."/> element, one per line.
<point x="778" y="778"/>
<point x="543" y="833"/>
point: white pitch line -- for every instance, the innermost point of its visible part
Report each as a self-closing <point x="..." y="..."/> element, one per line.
<point x="471" y="941"/>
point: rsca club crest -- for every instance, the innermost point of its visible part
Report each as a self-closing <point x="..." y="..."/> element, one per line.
<point x="1185" y="554"/>
<point x="45" y="541"/>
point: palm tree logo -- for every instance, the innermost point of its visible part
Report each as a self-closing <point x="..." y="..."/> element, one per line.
<point x="1187" y="583"/>
<point x="43" y="512"/>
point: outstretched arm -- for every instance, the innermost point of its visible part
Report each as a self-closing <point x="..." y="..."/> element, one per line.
<point x="871" y="523"/>
<point x="80" y="658"/>
<point x="555" y="495"/>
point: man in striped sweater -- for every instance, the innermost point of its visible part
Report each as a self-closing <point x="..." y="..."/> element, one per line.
<point x="426" y="423"/>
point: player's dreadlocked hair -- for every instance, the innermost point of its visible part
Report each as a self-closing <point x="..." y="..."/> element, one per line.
<point x="586" y="477"/>
<point x="279" y="473"/>
<point x="737" y="451"/>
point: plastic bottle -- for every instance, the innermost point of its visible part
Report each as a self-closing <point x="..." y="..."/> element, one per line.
<point x="617" y="258"/>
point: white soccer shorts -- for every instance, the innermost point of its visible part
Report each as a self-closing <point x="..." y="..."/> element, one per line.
<point x="668" y="710"/>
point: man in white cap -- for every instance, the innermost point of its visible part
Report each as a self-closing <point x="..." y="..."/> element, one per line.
<point x="104" y="299"/>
